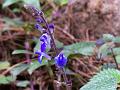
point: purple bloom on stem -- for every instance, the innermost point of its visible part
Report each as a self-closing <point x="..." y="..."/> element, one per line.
<point x="41" y="55"/>
<point x="60" y="60"/>
<point x="39" y="20"/>
<point x="37" y="26"/>
<point x="51" y="27"/>
<point x="40" y="58"/>
<point x="44" y="37"/>
<point x="33" y="10"/>
<point x="43" y="46"/>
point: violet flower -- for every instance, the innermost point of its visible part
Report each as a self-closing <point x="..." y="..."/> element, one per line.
<point x="60" y="60"/>
<point x="41" y="55"/>
<point x="38" y="27"/>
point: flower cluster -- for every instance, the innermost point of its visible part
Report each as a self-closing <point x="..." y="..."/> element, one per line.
<point x="44" y="43"/>
<point x="46" y="39"/>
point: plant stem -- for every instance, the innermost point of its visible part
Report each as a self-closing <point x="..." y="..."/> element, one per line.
<point x="54" y="45"/>
<point x="68" y="83"/>
<point x="114" y="58"/>
<point x="56" y="51"/>
<point x="34" y="11"/>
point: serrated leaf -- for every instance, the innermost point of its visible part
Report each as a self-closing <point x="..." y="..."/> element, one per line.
<point x="18" y="69"/>
<point x="6" y="79"/>
<point x="108" y="37"/>
<point x="21" y="52"/>
<point x="22" y="83"/>
<point x="105" y="80"/>
<point x="4" y="65"/>
<point x="84" y="48"/>
<point x="6" y="3"/>
<point x="107" y="84"/>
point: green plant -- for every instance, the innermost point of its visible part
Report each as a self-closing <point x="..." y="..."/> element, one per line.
<point x="104" y="80"/>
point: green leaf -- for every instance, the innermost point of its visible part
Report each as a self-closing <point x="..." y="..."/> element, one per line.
<point x="116" y="50"/>
<point x="105" y="80"/>
<point x="22" y="83"/>
<point x="37" y="47"/>
<point x="84" y="48"/>
<point x="21" y="52"/>
<point x="35" y="65"/>
<point x="105" y="50"/>
<point x="58" y="44"/>
<point x="4" y="65"/>
<point x="116" y="40"/>
<point x="6" y="79"/>
<point x="108" y="37"/>
<point x="18" y="69"/>
<point x="16" y="10"/>
<point x="61" y="2"/>
<point x="35" y="3"/>
<point x="118" y="59"/>
<point x="9" y="2"/>
<point x="108" y="65"/>
<point x="13" y="22"/>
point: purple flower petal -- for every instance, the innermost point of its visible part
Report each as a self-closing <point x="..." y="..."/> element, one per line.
<point x="51" y="27"/>
<point x="60" y="60"/>
<point x="43" y="46"/>
<point x="37" y="26"/>
<point x="40" y="59"/>
<point x="39" y="20"/>
<point x="44" y="37"/>
<point x="38" y="52"/>
<point x="46" y="56"/>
